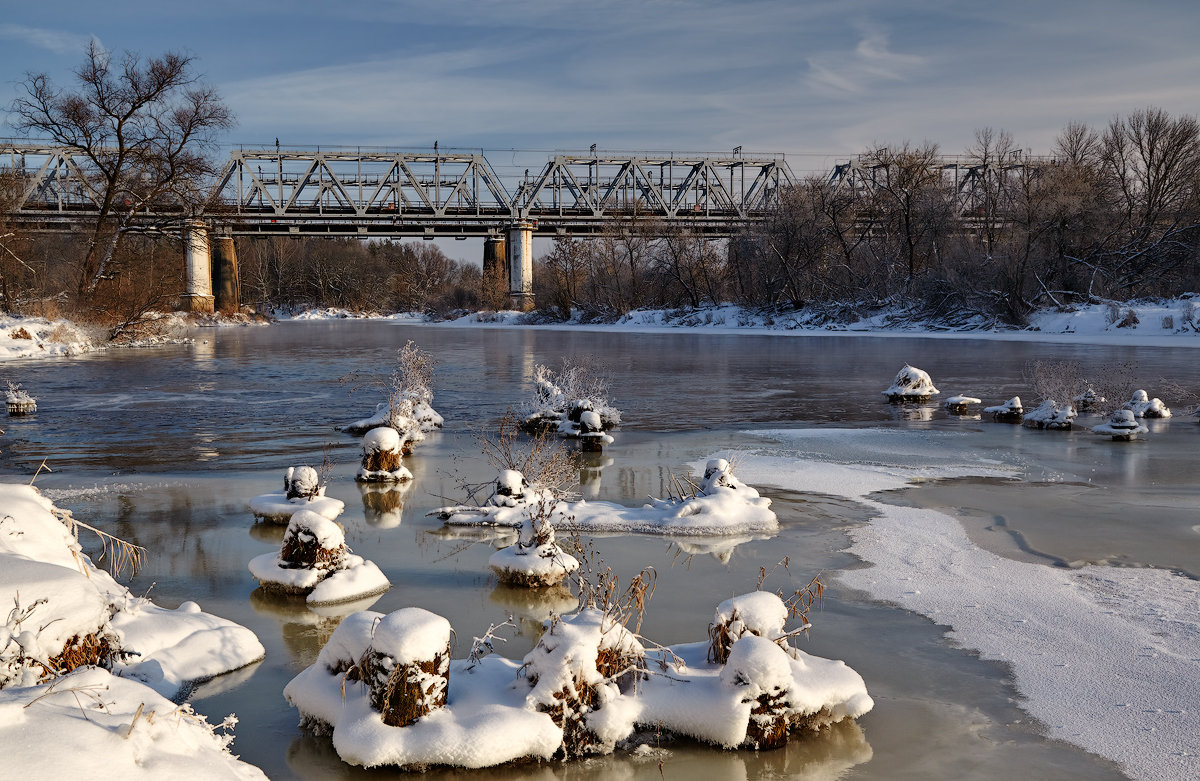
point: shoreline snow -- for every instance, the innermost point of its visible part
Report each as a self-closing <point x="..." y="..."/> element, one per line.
<point x="1091" y="324"/>
<point x="1132" y="698"/>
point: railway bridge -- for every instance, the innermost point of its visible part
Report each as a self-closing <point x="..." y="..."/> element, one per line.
<point x="371" y="192"/>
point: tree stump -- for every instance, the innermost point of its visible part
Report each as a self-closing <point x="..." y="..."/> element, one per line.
<point x="407" y="665"/>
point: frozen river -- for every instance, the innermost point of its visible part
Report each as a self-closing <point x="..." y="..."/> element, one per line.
<point x="165" y="446"/>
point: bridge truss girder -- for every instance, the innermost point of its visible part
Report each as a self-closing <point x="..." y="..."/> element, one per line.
<point x="972" y="183"/>
<point x="350" y="192"/>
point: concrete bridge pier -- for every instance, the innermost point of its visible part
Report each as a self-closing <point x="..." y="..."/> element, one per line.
<point x="520" y="265"/>
<point x="226" y="283"/>
<point x="198" y="298"/>
<point x="495" y="271"/>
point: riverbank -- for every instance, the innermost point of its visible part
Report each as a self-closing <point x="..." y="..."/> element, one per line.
<point x="1149" y="323"/>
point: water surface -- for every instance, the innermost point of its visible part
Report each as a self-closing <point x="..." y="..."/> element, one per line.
<point x="164" y="447"/>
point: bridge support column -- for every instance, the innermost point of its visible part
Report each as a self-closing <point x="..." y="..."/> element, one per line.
<point x="226" y="284"/>
<point x="199" y="297"/>
<point x="520" y="265"/>
<point x="495" y="273"/>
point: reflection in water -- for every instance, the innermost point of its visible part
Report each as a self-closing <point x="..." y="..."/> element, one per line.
<point x="534" y="603"/>
<point x="913" y="412"/>
<point x="268" y="532"/>
<point x="305" y="629"/>
<point x="590" y="467"/>
<point x="384" y="503"/>
<point x="823" y="756"/>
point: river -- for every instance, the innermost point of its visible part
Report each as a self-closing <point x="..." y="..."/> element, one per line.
<point x="164" y="446"/>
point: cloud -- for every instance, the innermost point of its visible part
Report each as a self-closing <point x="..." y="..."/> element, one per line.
<point x="858" y="72"/>
<point x="56" y="41"/>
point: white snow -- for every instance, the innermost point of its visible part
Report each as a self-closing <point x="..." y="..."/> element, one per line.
<point x="411" y="634"/>
<point x="1011" y="407"/>
<point x="277" y="508"/>
<point x="760" y="613"/>
<point x="548" y="563"/>
<point x="1143" y="406"/>
<point x="37" y="337"/>
<point x="92" y="724"/>
<point x="348" y="579"/>
<point x="87" y="720"/>
<point x="723" y="505"/>
<point x="1121" y="425"/>
<point x="492" y="711"/>
<point x="911" y="382"/>
<point x="1050" y="414"/>
<point x="1105" y="657"/>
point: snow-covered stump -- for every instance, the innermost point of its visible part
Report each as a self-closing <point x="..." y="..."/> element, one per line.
<point x="911" y="386"/>
<point x="762" y="669"/>
<point x="959" y="405"/>
<point x="407" y="665"/>
<point x="1142" y="406"/>
<point x="18" y="401"/>
<point x="536" y="562"/>
<point x="1122" y="426"/>
<point x="592" y="438"/>
<point x="580" y="664"/>
<point x="758" y="613"/>
<point x="1010" y="411"/>
<point x="302" y="490"/>
<point x="1050" y="415"/>
<point x="382" y="451"/>
<point x="314" y="560"/>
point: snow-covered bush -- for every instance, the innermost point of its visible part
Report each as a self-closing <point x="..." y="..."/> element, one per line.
<point x="1142" y="406"/>
<point x="409" y="406"/>
<point x="314" y="560"/>
<point x="1050" y="415"/>
<point x="911" y="386"/>
<point x="1122" y="426"/>
<point x="303" y="489"/>
<point x="561" y="398"/>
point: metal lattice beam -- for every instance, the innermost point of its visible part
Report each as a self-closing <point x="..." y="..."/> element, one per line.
<point x="350" y="191"/>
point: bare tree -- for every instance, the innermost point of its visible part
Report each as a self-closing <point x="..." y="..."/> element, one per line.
<point x="145" y="127"/>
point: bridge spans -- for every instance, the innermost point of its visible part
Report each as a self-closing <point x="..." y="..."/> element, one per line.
<point x="365" y="192"/>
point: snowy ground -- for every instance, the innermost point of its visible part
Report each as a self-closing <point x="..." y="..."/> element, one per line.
<point x="1107" y="658"/>
<point x="1154" y="323"/>
<point x="119" y="720"/>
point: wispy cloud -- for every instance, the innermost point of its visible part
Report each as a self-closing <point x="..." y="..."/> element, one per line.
<point x="56" y="41"/>
<point x="864" y="68"/>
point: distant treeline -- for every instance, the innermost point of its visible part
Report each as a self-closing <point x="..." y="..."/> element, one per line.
<point x="1109" y="213"/>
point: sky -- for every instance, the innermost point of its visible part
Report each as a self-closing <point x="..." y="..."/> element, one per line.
<point x="818" y="81"/>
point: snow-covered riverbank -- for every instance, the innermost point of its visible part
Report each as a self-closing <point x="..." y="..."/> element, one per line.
<point x="124" y="658"/>
<point x="1108" y="658"/>
<point x="1149" y="323"/>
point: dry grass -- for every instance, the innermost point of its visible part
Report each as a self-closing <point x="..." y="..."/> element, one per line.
<point x="381" y="461"/>
<point x="116" y="554"/>
<point x="308" y="553"/>
<point x="543" y="460"/>
<point x="92" y="649"/>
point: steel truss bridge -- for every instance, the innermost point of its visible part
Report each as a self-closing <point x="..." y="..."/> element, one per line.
<point x="971" y="182"/>
<point x="350" y="192"/>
